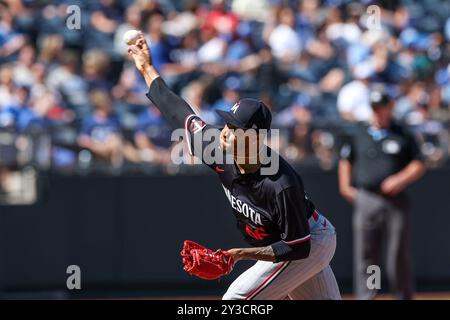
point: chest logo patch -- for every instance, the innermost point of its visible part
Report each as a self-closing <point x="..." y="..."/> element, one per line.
<point x="391" y="147"/>
<point x="258" y="233"/>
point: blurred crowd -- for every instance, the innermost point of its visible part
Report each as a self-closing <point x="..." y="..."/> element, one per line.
<point x="313" y="62"/>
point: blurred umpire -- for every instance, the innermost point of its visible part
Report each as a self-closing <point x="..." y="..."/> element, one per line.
<point x="378" y="161"/>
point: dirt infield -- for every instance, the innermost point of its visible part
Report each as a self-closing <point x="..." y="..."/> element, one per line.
<point x="417" y="296"/>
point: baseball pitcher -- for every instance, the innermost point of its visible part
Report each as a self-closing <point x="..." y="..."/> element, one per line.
<point x="291" y="241"/>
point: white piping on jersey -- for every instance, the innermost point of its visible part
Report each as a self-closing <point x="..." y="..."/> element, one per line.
<point x="186" y="133"/>
<point x="306" y="238"/>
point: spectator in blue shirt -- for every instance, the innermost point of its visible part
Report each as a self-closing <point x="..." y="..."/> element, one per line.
<point x="100" y="131"/>
<point x="159" y="47"/>
<point x="10" y="40"/>
<point x="18" y="115"/>
<point x="152" y="137"/>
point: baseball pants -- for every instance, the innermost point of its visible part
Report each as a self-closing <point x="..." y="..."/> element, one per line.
<point x="382" y="222"/>
<point x="306" y="279"/>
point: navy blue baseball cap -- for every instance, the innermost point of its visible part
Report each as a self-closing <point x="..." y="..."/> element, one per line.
<point x="248" y="114"/>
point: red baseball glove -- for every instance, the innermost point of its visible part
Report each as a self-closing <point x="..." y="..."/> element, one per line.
<point x="204" y="263"/>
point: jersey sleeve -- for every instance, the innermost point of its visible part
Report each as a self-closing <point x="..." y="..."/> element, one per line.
<point x="202" y="140"/>
<point x="347" y="149"/>
<point x="347" y="152"/>
<point x="412" y="149"/>
<point x="172" y="107"/>
<point x="293" y="225"/>
<point x="180" y="115"/>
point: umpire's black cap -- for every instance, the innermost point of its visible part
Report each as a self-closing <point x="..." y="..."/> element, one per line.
<point x="379" y="98"/>
<point x="248" y="114"/>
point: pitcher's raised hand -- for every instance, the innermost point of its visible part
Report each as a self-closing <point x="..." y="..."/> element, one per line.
<point x="140" y="53"/>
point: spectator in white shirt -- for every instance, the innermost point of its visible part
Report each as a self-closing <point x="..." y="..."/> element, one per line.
<point x="353" y="100"/>
<point x="283" y="40"/>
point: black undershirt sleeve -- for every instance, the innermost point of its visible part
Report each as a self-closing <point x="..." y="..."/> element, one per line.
<point x="413" y="150"/>
<point x="181" y="116"/>
<point x="347" y="149"/>
<point x="172" y="107"/>
<point x="293" y="223"/>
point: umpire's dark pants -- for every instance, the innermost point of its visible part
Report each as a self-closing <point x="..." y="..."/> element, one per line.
<point x="382" y="223"/>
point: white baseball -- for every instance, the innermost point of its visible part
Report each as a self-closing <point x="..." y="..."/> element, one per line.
<point x="131" y="36"/>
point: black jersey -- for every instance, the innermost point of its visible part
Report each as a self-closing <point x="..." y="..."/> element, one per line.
<point x="378" y="153"/>
<point x="269" y="209"/>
